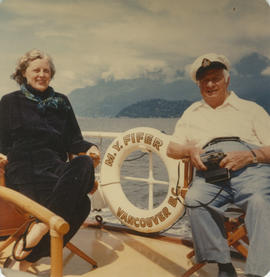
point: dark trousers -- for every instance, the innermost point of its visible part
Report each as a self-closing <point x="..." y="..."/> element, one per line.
<point x="67" y="197"/>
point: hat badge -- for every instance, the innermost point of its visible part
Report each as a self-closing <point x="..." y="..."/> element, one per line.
<point x="205" y="62"/>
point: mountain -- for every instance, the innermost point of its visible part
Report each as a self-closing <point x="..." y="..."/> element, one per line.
<point x="107" y="99"/>
<point x="155" y="108"/>
<point x="110" y="98"/>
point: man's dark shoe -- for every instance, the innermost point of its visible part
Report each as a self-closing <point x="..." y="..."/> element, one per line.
<point x="226" y="270"/>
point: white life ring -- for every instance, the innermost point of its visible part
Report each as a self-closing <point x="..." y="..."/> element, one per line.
<point x="142" y="220"/>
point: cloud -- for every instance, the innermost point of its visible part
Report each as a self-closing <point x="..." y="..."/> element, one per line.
<point x="123" y="39"/>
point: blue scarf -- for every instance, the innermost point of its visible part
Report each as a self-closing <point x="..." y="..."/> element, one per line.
<point x="52" y="101"/>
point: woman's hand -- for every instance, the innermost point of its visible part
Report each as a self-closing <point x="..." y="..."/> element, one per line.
<point x="95" y="187"/>
<point x="94" y="153"/>
<point x="3" y="163"/>
<point x="3" y="160"/>
<point x="236" y="160"/>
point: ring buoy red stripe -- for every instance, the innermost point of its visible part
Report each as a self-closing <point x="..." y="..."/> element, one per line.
<point x="142" y="220"/>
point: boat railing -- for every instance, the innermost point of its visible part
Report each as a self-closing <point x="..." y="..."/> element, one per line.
<point x="150" y="180"/>
<point x="100" y="135"/>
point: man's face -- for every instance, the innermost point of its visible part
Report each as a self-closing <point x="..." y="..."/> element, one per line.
<point x="213" y="87"/>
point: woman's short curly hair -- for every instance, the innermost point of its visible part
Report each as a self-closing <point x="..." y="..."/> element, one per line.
<point x="24" y="62"/>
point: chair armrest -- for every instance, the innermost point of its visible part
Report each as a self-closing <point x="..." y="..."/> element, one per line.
<point x="26" y="204"/>
<point x="188" y="174"/>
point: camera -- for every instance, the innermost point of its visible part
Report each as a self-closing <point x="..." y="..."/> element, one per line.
<point x="214" y="172"/>
<point x="212" y="158"/>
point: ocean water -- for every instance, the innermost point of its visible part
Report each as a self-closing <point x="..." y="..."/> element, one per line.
<point x="123" y="124"/>
<point x="136" y="165"/>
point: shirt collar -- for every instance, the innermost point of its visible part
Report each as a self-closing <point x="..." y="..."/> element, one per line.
<point x="232" y="100"/>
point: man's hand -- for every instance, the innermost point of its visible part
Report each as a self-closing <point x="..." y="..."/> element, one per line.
<point x="194" y="154"/>
<point x="236" y="160"/>
<point x="189" y="150"/>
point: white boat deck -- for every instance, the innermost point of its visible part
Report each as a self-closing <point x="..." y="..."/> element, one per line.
<point x="124" y="254"/>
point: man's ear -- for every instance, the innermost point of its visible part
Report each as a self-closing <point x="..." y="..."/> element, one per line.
<point x="228" y="81"/>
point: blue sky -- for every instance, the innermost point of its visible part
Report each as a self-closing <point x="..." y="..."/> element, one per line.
<point x="126" y="39"/>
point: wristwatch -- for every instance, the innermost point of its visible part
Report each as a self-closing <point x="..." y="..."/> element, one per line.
<point x="254" y="161"/>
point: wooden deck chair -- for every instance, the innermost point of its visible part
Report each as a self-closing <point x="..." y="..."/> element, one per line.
<point x="235" y="228"/>
<point x="16" y="210"/>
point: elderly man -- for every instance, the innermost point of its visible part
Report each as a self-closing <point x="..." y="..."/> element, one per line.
<point x="242" y="176"/>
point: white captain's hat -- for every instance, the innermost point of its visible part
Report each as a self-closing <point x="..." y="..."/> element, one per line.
<point x="207" y="61"/>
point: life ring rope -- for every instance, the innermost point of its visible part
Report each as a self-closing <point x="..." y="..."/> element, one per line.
<point x="108" y="184"/>
<point x="146" y="180"/>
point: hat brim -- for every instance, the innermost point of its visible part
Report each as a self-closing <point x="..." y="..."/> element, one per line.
<point x="213" y="65"/>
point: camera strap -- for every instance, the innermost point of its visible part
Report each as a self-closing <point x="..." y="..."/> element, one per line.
<point x="222" y="139"/>
<point x="211" y="142"/>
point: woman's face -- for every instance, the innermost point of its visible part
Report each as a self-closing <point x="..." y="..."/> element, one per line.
<point x="38" y="74"/>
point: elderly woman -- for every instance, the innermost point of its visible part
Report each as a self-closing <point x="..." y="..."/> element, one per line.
<point x="38" y="129"/>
